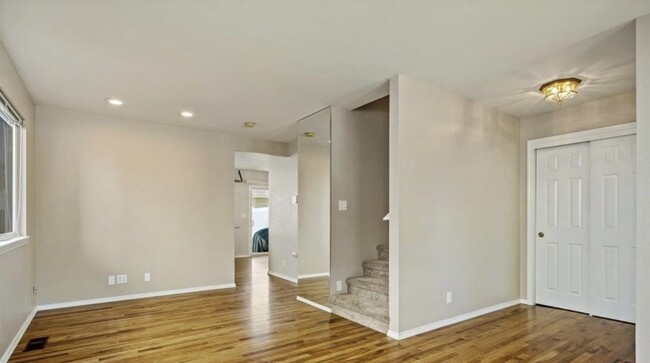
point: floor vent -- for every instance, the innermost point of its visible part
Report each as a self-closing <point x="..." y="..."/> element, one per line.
<point x="36" y="343"/>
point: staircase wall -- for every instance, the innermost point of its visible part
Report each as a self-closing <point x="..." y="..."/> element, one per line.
<point x="454" y="205"/>
<point x="360" y="176"/>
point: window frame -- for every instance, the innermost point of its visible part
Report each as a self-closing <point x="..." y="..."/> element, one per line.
<point x="14" y="120"/>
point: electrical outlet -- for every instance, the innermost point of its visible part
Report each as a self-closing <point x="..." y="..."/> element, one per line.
<point x="339" y="285"/>
<point x="343" y="205"/>
<point x="121" y="279"/>
<point x="448" y="297"/>
<point x="111" y="280"/>
<point x="147" y="276"/>
<point x="284" y="263"/>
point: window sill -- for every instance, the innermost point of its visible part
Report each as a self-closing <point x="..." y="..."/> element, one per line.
<point x="10" y="244"/>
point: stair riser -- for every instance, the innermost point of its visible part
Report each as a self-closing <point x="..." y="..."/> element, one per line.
<point x="383" y="289"/>
<point x="383" y="253"/>
<point x="368" y="294"/>
<point x="374" y="273"/>
<point x="361" y="319"/>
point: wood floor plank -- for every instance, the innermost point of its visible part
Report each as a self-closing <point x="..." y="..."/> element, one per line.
<point x="261" y="321"/>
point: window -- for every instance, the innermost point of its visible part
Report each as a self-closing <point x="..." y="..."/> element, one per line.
<point x="10" y="132"/>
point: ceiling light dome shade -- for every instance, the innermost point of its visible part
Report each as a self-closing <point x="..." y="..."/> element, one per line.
<point x="560" y="90"/>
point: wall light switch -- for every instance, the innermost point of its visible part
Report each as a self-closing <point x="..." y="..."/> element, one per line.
<point x="243" y="216"/>
<point x="121" y="279"/>
<point x="343" y="205"/>
<point x="339" y="285"/>
<point x="147" y="276"/>
<point x="294" y="199"/>
<point x="448" y="297"/>
<point x="111" y="280"/>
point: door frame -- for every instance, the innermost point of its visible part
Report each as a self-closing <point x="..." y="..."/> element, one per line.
<point x="531" y="216"/>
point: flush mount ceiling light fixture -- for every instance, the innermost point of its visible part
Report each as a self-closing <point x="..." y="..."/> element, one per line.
<point x="186" y="114"/>
<point x="560" y="90"/>
<point x="249" y="124"/>
<point x="310" y="134"/>
<point x="114" y="101"/>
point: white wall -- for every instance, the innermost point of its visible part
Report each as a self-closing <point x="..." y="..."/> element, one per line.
<point x="359" y="176"/>
<point x="314" y="209"/>
<point x="643" y="189"/>
<point x="454" y="169"/>
<point x="283" y="216"/>
<point x="116" y="196"/>
<point x="585" y="116"/>
<point x="242" y="209"/>
<point x="17" y="265"/>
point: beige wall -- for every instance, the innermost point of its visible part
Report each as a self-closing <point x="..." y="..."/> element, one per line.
<point x="116" y="196"/>
<point x="314" y="209"/>
<point x="643" y="189"/>
<point x="17" y="265"/>
<point x="454" y="166"/>
<point x="360" y="176"/>
<point x="283" y="216"/>
<point x="581" y="117"/>
<point x="242" y="209"/>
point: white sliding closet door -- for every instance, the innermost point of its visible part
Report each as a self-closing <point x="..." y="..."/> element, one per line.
<point x="562" y="245"/>
<point x="613" y="240"/>
<point x="586" y="221"/>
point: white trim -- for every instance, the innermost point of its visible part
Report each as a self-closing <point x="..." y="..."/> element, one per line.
<point x="525" y="302"/>
<point x="316" y="305"/>
<point x="533" y="146"/>
<point x="283" y="276"/>
<point x="19" y="335"/>
<point x="6" y="246"/>
<point x="144" y="295"/>
<point x="311" y="276"/>
<point x="242" y="256"/>
<point x="456" y="319"/>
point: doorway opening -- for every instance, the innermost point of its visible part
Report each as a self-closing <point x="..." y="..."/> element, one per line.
<point x="259" y="220"/>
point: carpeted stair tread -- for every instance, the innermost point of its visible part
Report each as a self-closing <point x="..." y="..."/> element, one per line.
<point x="369" y="283"/>
<point x="375" y="310"/>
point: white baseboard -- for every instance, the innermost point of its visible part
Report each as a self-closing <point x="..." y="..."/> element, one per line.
<point x="311" y="276"/>
<point x="525" y="302"/>
<point x="102" y="300"/>
<point x="14" y="343"/>
<point x="316" y="305"/>
<point x="242" y="256"/>
<point x="456" y="319"/>
<point x="283" y="276"/>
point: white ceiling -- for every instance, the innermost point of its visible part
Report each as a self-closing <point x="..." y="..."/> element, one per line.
<point x="275" y="62"/>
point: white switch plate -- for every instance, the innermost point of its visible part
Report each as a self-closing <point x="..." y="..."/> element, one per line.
<point x="339" y="285"/>
<point x="448" y="297"/>
<point x="147" y="276"/>
<point x="243" y="216"/>
<point x="343" y="205"/>
<point x="121" y="279"/>
<point x="111" y="280"/>
<point x="294" y="199"/>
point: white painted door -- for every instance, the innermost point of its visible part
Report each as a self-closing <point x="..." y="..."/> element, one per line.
<point x="613" y="240"/>
<point x="562" y="246"/>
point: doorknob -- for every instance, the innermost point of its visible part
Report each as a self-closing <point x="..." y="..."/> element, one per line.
<point x="541" y="234"/>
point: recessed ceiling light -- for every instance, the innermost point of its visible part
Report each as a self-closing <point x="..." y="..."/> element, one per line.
<point x="115" y="101"/>
<point x="186" y="114"/>
<point x="250" y="124"/>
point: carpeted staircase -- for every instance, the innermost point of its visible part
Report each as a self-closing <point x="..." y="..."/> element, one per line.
<point x="367" y="299"/>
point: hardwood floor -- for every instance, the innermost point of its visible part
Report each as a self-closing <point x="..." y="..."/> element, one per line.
<point x="260" y="321"/>
<point x="316" y="289"/>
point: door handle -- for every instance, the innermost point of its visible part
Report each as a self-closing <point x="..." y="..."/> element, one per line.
<point x="541" y="234"/>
